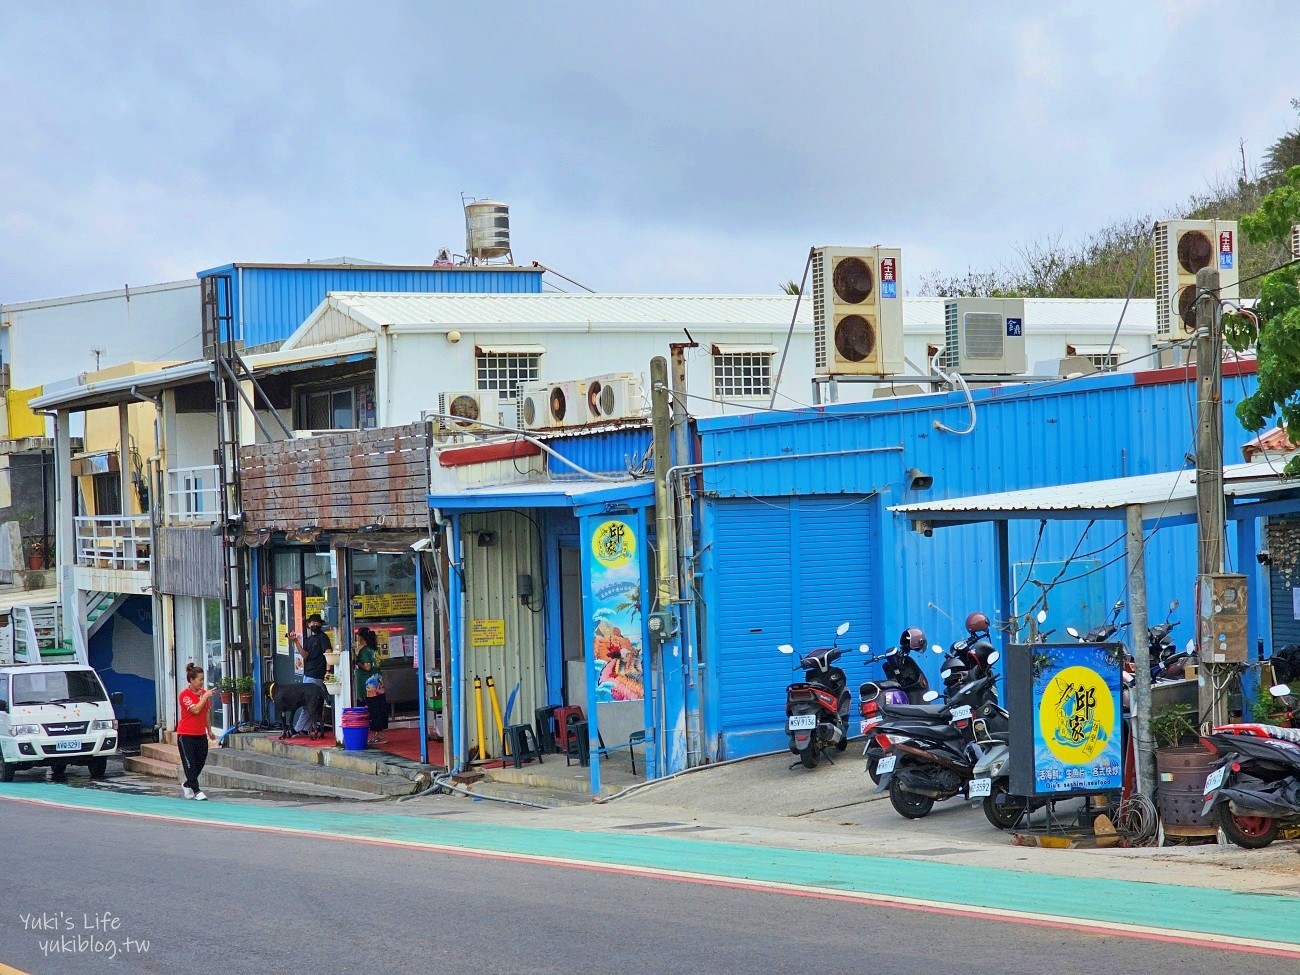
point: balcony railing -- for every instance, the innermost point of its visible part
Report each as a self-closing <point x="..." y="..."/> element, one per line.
<point x="114" y="542"/>
<point x="194" y="493"/>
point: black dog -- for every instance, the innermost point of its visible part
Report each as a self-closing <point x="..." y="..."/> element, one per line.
<point x="290" y="697"/>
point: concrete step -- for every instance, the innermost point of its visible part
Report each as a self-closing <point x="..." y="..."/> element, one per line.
<point x="150" y="766"/>
<point x="159" y="752"/>
<point x="366" y="762"/>
<point x="551" y="798"/>
<point x="297" y="773"/>
<point x="224" y="778"/>
<point x="551" y="778"/>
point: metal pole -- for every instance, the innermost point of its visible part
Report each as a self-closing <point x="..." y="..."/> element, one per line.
<point x="1135" y="552"/>
<point x="659" y="407"/>
<point x="1209" y="462"/>
<point x="683" y="537"/>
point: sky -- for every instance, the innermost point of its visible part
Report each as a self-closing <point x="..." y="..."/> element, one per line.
<point x="644" y="147"/>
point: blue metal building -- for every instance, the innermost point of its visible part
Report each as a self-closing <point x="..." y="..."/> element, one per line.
<point x="796" y="536"/>
<point x="264" y="303"/>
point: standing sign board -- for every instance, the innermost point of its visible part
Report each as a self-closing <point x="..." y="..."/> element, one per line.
<point x="1066" y="718"/>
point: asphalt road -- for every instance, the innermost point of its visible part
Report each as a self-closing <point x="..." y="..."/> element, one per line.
<point x="211" y="899"/>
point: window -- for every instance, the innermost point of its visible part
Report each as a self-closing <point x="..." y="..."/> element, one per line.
<point x="108" y="494"/>
<point x="505" y="372"/>
<point x="350" y="407"/>
<point x="1104" y="357"/>
<point x="65" y="686"/>
<point x="742" y="375"/>
<point x="1103" y="362"/>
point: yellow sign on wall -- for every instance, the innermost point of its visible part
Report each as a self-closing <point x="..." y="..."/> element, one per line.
<point x="384" y="604"/>
<point x="487" y="633"/>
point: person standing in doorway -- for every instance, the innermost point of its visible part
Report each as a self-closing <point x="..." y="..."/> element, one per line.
<point x="370" y="682"/>
<point x="314" y="649"/>
<point x="193" y="732"/>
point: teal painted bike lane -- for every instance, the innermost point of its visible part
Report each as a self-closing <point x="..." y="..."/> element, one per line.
<point x="1162" y="907"/>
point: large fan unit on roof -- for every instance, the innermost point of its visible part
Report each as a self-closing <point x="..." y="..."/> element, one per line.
<point x="857" y="311"/>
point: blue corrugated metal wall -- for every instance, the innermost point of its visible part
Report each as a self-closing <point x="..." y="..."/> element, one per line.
<point x="1100" y="427"/>
<point x="271" y="302"/>
<point x="794" y="569"/>
<point x="606" y="452"/>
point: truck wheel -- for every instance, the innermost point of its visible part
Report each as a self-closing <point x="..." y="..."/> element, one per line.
<point x="1248" y="832"/>
<point x="58" y="771"/>
<point x="98" y="767"/>
<point x="6" y="770"/>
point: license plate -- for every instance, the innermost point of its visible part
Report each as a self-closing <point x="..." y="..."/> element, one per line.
<point x="1215" y="779"/>
<point x="980" y="787"/>
<point x="886" y="764"/>
<point x="67" y="746"/>
<point x="802" y="722"/>
<point x="962" y="713"/>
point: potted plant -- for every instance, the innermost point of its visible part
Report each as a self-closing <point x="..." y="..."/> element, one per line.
<point x="227" y="686"/>
<point x="34" y="547"/>
<point x="244" y="688"/>
<point x="1171" y="727"/>
<point x="332" y="683"/>
<point x="1181" y="767"/>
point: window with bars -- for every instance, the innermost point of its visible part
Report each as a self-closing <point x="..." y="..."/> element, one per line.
<point x="505" y="372"/>
<point x="742" y="375"/>
<point x="1103" y="362"/>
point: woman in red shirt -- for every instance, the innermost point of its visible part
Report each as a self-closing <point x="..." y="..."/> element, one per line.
<point x="192" y="730"/>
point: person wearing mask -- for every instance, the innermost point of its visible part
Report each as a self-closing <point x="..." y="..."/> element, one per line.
<point x="370" y="682"/>
<point x="193" y="731"/>
<point x="313" y="650"/>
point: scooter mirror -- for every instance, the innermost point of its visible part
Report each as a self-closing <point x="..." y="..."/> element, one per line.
<point x="930" y="696"/>
<point x="865" y="648"/>
<point x="1072" y="631"/>
<point x="1119" y="604"/>
<point x="1279" y="690"/>
<point x="786" y="648"/>
<point x="1042" y="616"/>
<point x="1173" y="605"/>
<point x="994" y="657"/>
<point x="935" y="648"/>
<point x="945" y="674"/>
<point x="843" y="628"/>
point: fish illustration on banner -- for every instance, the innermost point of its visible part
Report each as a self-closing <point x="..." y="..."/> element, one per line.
<point x="1077" y="715"/>
<point x="616" y="611"/>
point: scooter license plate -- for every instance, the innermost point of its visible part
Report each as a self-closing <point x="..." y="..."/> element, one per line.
<point x="67" y="746"/>
<point x="980" y="787"/>
<point x="886" y="764"/>
<point x="962" y="713"/>
<point x="802" y="722"/>
<point x="1215" y="779"/>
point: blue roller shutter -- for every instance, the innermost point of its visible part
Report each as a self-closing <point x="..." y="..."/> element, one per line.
<point x="788" y="571"/>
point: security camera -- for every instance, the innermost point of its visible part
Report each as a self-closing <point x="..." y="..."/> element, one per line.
<point x="1264" y="558"/>
<point x="420" y="545"/>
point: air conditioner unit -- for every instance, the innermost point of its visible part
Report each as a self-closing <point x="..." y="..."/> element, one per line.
<point x="615" y="396"/>
<point x="1183" y="247"/>
<point x="552" y="405"/>
<point x="985" y="336"/>
<point x="467" y="412"/>
<point x="857" y="311"/>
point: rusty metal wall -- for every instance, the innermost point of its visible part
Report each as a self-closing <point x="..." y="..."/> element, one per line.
<point x="189" y="562"/>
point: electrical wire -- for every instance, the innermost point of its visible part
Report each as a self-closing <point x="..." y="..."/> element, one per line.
<point x="1137" y="272"/>
<point x="1042" y="525"/>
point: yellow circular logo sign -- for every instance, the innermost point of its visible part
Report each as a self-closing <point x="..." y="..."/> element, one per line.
<point x="1076" y="715"/>
<point x="613" y="543"/>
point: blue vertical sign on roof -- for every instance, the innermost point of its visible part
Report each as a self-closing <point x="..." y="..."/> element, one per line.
<point x="888" y="278"/>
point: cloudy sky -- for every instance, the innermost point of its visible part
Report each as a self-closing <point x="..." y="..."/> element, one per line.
<point x="676" y="147"/>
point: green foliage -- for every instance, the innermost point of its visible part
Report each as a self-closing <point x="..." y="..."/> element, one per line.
<point x="1172" y="725"/>
<point x="790" y="288"/>
<point x="1284" y="153"/>
<point x="244" y="685"/>
<point x="1278" y="310"/>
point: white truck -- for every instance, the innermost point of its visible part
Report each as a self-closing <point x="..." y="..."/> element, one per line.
<point x="54" y="715"/>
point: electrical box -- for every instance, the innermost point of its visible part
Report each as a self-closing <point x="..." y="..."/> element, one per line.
<point x="662" y="626"/>
<point x="1221" y="618"/>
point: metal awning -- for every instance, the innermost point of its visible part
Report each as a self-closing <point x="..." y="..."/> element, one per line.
<point x="1165" y="496"/>
<point x="1073" y="348"/>
<point x="547" y="494"/>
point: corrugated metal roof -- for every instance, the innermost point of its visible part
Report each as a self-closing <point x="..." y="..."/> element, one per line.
<point x="1171" y="493"/>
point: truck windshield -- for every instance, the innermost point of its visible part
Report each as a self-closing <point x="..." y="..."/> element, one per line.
<point x="57" y="687"/>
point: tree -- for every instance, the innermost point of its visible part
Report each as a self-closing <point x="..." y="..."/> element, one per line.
<point x="1284" y="153"/>
<point x="1277" y="341"/>
<point x="790" y="288"/>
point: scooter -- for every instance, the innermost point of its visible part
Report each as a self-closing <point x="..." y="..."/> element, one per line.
<point x="904" y="683"/>
<point x="936" y="762"/>
<point x="1255" y="792"/>
<point x="817" y="708"/>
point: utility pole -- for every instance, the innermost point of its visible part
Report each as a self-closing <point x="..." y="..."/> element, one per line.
<point x="684" y="536"/>
<point x="1137" y="592"/>
<point x="662" y="434"/>
<point x="1209" y="467"/>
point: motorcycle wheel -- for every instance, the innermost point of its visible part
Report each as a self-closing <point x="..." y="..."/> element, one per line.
<point x="909" y="805"/>
<point x="1248" y="832"/>
<point x="809" y="756"/>
<point x="842" y="744"/>
<point x="873" y="771"/>
<point x="1001" y="816"/>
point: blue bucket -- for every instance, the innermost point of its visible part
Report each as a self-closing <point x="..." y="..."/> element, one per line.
<point x="354" y="739"/>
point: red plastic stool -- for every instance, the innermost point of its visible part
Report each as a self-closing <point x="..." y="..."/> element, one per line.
<point x="564" y="718"/>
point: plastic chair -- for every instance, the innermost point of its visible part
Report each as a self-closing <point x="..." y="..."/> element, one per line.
<point x="522" y="745"/>
<point x="544" y="723"/>
<point x="564" y="718"/>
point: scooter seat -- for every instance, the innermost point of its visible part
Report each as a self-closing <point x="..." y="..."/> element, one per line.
<point x="912" y="710"/>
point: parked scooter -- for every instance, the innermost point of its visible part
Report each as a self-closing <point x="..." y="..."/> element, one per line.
<point x="817" y="708"/>
<point x="1255" y="793"/>
<point x="904" y="683"/>
<point x="936" y="761"/>
<point x="1167" y="661"/>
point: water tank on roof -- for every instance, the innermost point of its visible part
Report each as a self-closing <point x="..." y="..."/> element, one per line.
<point x="487" y="230"/>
